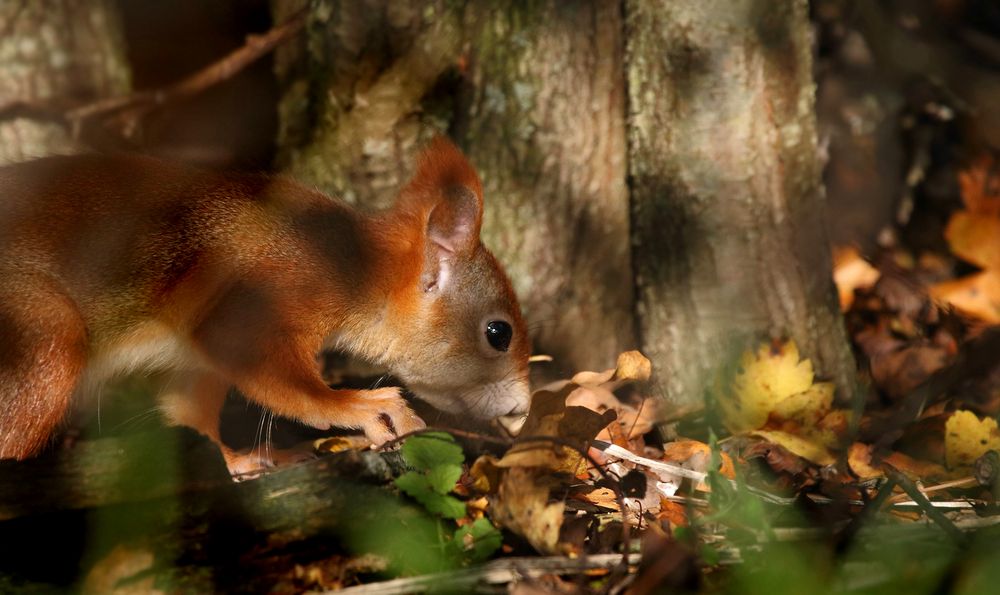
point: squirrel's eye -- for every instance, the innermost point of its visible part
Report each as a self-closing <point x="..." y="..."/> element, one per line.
<point x="498" y="334"/>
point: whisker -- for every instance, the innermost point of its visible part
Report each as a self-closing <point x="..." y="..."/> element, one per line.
<point x="257" y="444"/>
<point x="100" y="393"/>
<point x="136" y="419"/>
<point x="270" y="429"/>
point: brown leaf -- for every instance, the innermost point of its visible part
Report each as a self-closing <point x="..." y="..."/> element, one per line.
<point x="594" y="397"/>
<point x="579" y="425"/>
<point x="901" y="294"/>
<point x="604" y="497"/>
<point x="633" y="366"/>
<point x="546" y="408"/>
<point x="980" y="187"/>
<point x="851" y="272"/>
<point x="638" y="421"/>
<point x="696" y="455"/>
<point x="593" y="378"/>
<point x="485" y="474"/>
<point x="859" y="459"/>
<point x="899" y="372"/>
<point x="522" y="506"/>
<point x="977" y="295"/>
<point x="778" y="457"/>
<point x="915" y="468"/>
<point x="522" y="478"/>
<point x="674" y="512"/>
<point x="975" y="238"/>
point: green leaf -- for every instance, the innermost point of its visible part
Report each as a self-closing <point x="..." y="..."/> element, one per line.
<point x="448" y="507"/>
<point x="709" y="556"/>
<point x="478" y="541"/>
<point x="403" y="533"/>
<point x="443" y="477"/>
<point x="427" y="451"/>
<point x="413" y="483"/>
<point x="417" y="486"/>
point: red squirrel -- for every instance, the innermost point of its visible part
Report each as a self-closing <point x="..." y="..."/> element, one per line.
<point x="110" y="265"/>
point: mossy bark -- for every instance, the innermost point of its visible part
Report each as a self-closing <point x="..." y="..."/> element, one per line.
<point x="56" y="50"/>
<point x="727" y="204"/>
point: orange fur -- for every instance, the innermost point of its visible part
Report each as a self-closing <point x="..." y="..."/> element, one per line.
<point x="116" y="264"/>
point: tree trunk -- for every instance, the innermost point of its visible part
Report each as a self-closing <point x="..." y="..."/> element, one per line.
<point x="533" y="91"/>
<point x="727" y="206"/>
<point x="542" y="116"/>
<point x="56" y="50"/>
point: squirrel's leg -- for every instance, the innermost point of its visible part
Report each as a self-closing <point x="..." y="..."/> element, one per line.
<point x="43" y="352"/>
<point x="272" y="362"/>
<point x="195" y="398"/>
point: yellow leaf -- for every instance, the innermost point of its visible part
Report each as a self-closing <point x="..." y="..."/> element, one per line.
<point x="797" y="445"/>
<point x="966" y="438"/>
<point x="765" y="378"/>
<point x="808" y="406"/>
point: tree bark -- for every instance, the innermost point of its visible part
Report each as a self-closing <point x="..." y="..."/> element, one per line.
<point x="534" y="93"/>
<point x="56" y="50"/>
<point x="542" y="116"/>
<point x="355" y="104"/>
<point x="727" y="205"/>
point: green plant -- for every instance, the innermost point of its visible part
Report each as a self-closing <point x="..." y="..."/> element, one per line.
<point x="437" y="465"/>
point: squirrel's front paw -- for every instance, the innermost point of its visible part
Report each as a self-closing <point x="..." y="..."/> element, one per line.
<point x="393" y="416"/>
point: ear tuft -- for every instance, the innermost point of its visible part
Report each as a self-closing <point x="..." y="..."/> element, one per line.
<point x="447" y="189"/>
<point x="442" y="165"/>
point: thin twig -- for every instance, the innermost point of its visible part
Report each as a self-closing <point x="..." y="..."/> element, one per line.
<point x="965" y="482"/>
<point x="130" y="109"/>
<point x="932" y="513"/>
<point x="223" y="69"/>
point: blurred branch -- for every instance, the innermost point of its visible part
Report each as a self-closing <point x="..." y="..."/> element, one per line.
<point x="497" y="572"/>
<point x="38" y="111"/>
<point x="125" y="113"/>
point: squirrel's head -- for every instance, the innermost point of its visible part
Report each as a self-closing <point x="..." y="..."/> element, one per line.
<point x="464" y="348"/>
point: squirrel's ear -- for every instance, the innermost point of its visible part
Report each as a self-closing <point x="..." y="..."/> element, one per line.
<point x="448" y="190"/>
<point x="454" y="222"/>
<point x="447" y="193"/>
